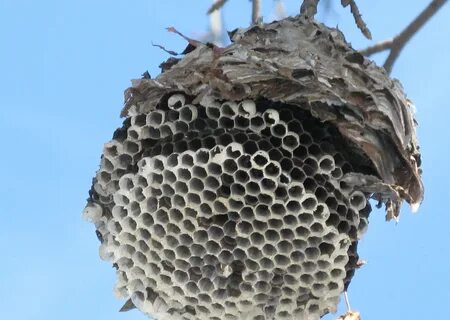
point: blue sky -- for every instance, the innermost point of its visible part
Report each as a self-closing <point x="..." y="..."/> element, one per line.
<point x="64" y="66"/>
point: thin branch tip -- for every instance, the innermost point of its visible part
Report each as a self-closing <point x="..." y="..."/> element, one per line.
<point x="396" y="44"/>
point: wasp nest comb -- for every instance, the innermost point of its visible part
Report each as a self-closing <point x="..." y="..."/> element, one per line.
<point x="238" y="186"/>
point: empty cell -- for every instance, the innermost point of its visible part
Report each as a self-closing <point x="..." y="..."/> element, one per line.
<point x="181" y="272"/>
<point x="167" y="130"/>
<point x="257" y="123"/>
<point x="314" y="149"/>
<point x="358" y="200"/>
<point x="226" y="122"/>
<point x="305" y="218"/>
<point x="262" y="287"/>
<point x="103" y="177"/>
<point x="291" y="141"/>
<point x="326" y="163"/>
<point x="192" y="288"/>
<point x="229" y="166"/>
<point x="129" y="224"/>
<point x="178" y="201"/>
<point x="293" y="206"/>
<point x="326" y="248"/>
<point x="281" y="260"/>
<point x="252" y="188"/>
<point x="278" y="130"/>
<point x="302" y="232"/>
<point x="275" y="223"/>
<point x="241" y="176"/>
<point x="193" y="199"/>
<point x="284" y="247"/>
<point x="269" y="250"/>
<point x="167" y="190"/>
<point x="220" y="207"/>
<point x="118" y="212"/>
<point x="276" y="155"/>
<point x="112" y="149"/>
<point x="205" y="285"/>
<point x="134" y="209"/>
<point x="312" y="253"/>
<point x="260" y="159"/>
<point x="208" y="195"/>
<point x="175" y="215"/>
<point x="332" y="203"/>
<point x="212" y="247"/>
<point x="182" y="252"/>
<point x="229" y="227"/>
<point x="246" y="213"/>
<point x="244" y="162"/>
<point x="342" y="210"/>
<point x="337" y="273"/>
<point x="188" y="113"/>
<point x="173" y="228"/>
<point x="257" y="239"/>
<point x="183" y="174"/>
<point x="305" y="139"/>
<point x="158" y="231"/>
<point x="187" y="159"/>
<point x="296" y="190"/>
<point x="169" y="254"/>
<point x="241" y="122"/>
<point x="213" y="111"/>
<point x="162" y="216"/>
<point x="155" y="118"/>
<point x="225" y="257"/>
<point x="213" y="169"/>
<point x="281" y="193"/>
<point x="337" y="173"/>
<point x="345" y="187"/>
<point x="272" y="235"/>
<point x="229" y="109"/>
<point x="215" y="233"/>
<point x="343" y="227"/>
<point x="152" y="133"/>
<point x="268" y="184"/>
<point x="262" y="211"/>
<point x="227" y="179"/>
<point x="188" y="225"/>
<point x="181" y="188"/>
<point x="297" y="174"/>
<point x="272" y="169"/>
<point x="321" y="194"/>
<point x="259" y="226"/>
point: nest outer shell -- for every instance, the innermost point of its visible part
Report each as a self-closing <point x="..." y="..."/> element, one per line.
<point x="306" y="64"/>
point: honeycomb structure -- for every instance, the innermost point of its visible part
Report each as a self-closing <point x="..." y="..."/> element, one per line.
<point x="228" y="210"/>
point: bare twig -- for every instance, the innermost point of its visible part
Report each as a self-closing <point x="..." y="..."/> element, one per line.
<point x="396" y="44"/>
<point x="309" y="8"/>
<point x="215" y="26"/>
<point x="358" y="18"/>
<point x="256" y="7"/>
<point x="216" y="6"/>
<point x="280" y="11"/>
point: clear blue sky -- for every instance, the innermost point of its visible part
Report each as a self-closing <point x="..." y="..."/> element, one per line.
<point x="63" y="68"/>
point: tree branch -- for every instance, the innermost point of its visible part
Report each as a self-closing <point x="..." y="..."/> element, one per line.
<point x="309" y="8"/>
<point x="216" y="6"/>
<point x="256" y="7"/>
<point x="396" y="44"/>
<point x="358" y="18"/>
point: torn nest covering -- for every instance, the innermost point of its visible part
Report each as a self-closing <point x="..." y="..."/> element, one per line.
<point x="312" y="67"/>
